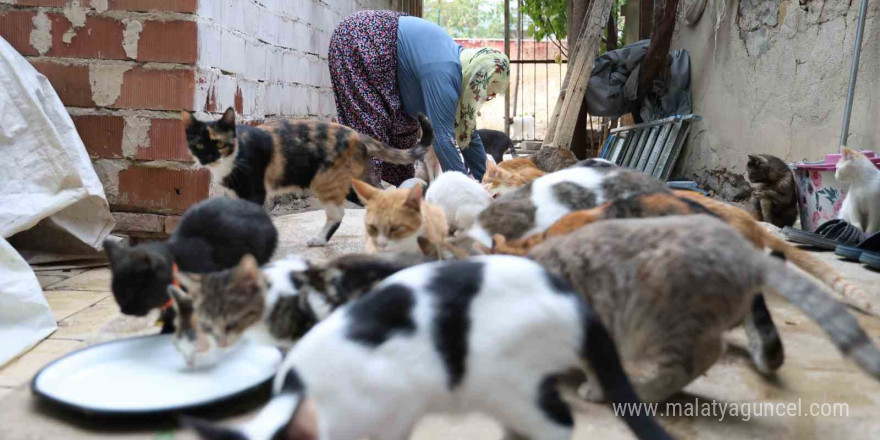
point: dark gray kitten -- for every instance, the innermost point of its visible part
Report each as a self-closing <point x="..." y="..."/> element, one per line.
<point x="667" y="289"/>
<point x="212" y="235"/>
<point x="774" y="196"/>
<point x="534" y="207"/>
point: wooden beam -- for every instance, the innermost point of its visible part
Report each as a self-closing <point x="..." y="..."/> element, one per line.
<point x="580" y="67"/>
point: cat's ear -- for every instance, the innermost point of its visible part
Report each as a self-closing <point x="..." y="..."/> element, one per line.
<point x="364" y="190"/>
<point x="847" y="154"/>
<point x="188" y="118"/>
<point x="248" y="271"/>
<point x="228" y="118"/>
<point x="113" y="249"/>
<point x="414" y="198"/>
<point x="179" y="299"/>
<point x="190" y="282"/>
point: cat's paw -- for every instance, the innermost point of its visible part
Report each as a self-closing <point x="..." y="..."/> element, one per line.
<point x="316" y="242"/>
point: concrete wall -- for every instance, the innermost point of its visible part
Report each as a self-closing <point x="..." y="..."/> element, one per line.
<point x="773" y="80"/>
<point x="125" y="68"/>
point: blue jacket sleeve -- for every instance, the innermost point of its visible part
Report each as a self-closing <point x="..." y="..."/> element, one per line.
<point x="441" y="101"/>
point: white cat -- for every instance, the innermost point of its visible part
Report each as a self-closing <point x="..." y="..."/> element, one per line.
<point x="861" y="207"/>
<point x="461" y="198"/>
<point x="523" y="128"/>
<point x="494" y="335"/>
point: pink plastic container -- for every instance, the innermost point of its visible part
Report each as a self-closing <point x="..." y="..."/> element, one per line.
<point x="819" y="193"/>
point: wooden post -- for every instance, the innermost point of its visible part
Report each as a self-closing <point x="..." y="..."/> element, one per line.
<point x="507" y="52"/>
<point x="579" y="68"/>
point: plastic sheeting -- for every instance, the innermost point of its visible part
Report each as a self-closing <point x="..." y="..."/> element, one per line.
<point x="45" y="173"/>
<point x="613" y="86"/>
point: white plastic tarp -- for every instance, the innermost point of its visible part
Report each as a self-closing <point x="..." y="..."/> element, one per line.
<point x="45" y="173"/>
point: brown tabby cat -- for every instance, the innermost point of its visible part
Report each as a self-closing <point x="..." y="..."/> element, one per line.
<point x="509" y="175"/>
<point x="670" y="290"/>
<point x="687" y="203"/>
<point x="550" y="159"/>
<point x="292" y="155"/>
<point x="397" y="218"/>
<point x="773" y="190"/>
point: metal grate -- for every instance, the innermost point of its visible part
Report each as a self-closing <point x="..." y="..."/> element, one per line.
<point x="652" y="147"/>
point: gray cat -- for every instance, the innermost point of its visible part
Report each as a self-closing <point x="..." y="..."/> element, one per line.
<point x="534" y="207"/>
<point x="671" y="287"/>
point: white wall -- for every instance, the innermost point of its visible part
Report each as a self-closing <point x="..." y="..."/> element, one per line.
<point x="269" y="58"/>
<point x="773" y="80"/>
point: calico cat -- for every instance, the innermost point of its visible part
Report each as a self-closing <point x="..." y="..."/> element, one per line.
<point x="510" y="175"/>
<point x="212" y="235"/>
<point x="396" y="218"/>
<point x="274" y="305"/>
<point x="291" y="155"/>
<point x="691" y="203"/>
<point x="773" y="190"/>
<point x="861" y="207"/>
<point x="551" y="159"/>
<point x="496" y="143"/>
<point x="460" y="197"/>
<point x="534" y="207"/>
<point x="439" y="337"/>
<point x="667" y="331"/>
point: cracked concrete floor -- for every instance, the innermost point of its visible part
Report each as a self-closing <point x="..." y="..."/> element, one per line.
<point x="814" y="371"/>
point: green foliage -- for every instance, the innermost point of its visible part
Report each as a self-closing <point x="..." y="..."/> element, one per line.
<point x="467" y="18"/>
<point x="549" y="18"/>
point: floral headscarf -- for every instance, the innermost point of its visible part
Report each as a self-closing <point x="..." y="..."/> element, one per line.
<point x="484" y="72"/>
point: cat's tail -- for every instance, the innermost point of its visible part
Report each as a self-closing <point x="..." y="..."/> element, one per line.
<point x="600" y="351"/>
<point x="402" y="157"/>
<point x="831" y="315"/>
<point x="847" y="292"/>
<point x="271" y="423"/>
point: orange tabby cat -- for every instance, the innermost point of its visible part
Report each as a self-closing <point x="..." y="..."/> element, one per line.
<point x="685" y="203"/>
<point x="397" y="218"/>
<point x="509" y="175"/>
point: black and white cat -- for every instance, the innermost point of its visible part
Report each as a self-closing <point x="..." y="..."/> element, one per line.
<point x="494" y="335"/>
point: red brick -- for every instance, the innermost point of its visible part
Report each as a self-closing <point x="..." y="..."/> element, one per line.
<point x="161" y="190"/>
<point x="157" y="89"/>
<point x="15" y="27"/>
<point x="51" y="3"/>
<point x="70" y="82"/>
<point x="239" y="101"/>
<point x="188" y="6"/>
<point x="167" y="142"/>
<point x="169" y="41"/>
<point x="101" y="134"/>
<point x="100" y="38"/>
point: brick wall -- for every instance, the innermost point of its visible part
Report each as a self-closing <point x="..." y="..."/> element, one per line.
<point x="125" y="68"/>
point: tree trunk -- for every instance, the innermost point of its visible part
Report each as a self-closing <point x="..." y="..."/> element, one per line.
<point x="656" y="62"/>
<point x="611" y="33"/>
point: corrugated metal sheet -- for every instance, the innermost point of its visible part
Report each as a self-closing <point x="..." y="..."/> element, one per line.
<point x="652" y="147"/>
